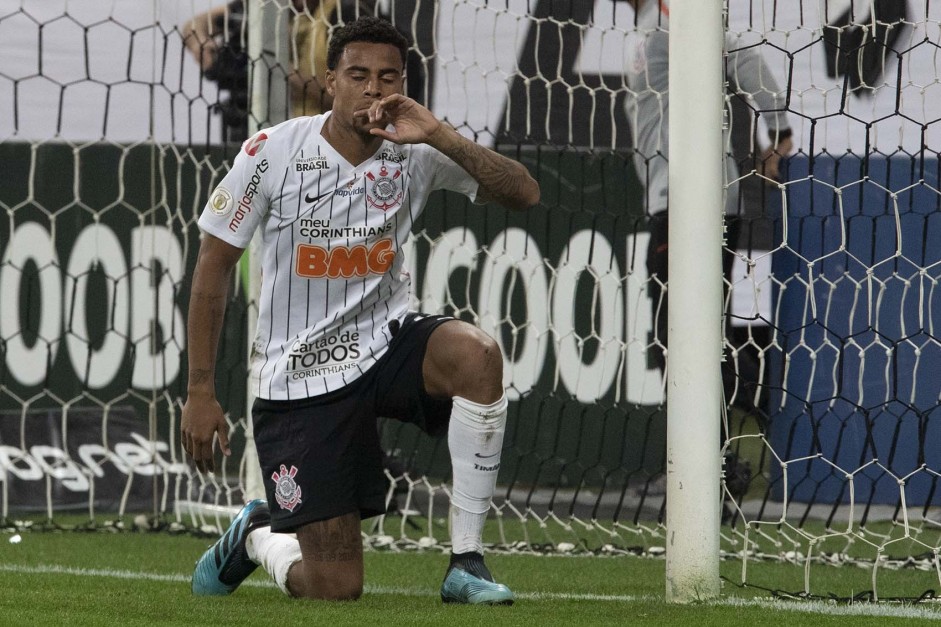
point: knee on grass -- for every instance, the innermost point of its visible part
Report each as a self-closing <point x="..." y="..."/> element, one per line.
<point x="323" y="587"/>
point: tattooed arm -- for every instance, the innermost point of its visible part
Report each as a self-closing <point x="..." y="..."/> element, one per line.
<point x="500" y="179"/>
<point x="202" y="416"/>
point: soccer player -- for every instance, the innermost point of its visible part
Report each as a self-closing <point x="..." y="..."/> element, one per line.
<point x="335" y="197"/>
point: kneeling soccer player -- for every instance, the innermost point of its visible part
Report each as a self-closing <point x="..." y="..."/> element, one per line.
<point x="334" y="196"/>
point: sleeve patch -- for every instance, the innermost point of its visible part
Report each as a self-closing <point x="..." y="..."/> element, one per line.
<point x="221" y="202"/>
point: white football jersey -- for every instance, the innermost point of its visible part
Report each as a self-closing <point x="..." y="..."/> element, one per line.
<point x="331" y="249"/>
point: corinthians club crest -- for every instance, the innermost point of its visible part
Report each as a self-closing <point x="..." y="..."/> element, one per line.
<point x="286" y="491"/>
<point x="384" y="189"/>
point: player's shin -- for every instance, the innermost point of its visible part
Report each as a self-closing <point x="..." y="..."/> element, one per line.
<point x="475" y="440"/>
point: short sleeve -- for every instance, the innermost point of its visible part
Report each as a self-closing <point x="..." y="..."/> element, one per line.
<point x="240" y="201"/>
<point x="450" y="176"/>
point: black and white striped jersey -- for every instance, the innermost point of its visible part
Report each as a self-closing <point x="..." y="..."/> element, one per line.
<point x="331" y="248"/>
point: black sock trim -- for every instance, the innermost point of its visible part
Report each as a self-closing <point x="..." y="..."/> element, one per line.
<point x="471" y="562"/>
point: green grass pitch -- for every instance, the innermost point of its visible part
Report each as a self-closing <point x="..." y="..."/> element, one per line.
<point x="75" y="578"/>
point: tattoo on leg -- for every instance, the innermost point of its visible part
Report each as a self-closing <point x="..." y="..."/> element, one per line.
<point x="337" y="540"/>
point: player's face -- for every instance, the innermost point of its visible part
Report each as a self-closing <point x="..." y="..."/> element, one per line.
<point x="365" y="72"/>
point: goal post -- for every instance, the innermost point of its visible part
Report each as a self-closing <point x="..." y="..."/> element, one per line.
<point x="694" y="387"/>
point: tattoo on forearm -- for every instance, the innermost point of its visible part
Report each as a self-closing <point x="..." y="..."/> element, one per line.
<point x="207" y="311"/>
<point x="212" y="299"/>
<point x="200" y="376"/>
<point x="501" y="178"/>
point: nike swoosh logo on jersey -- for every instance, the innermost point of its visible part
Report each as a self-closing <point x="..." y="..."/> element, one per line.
<point x="486" y="456"/>
<point x="312" y="199"/>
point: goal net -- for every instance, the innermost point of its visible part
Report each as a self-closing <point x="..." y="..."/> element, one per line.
<point x="113" y="136"/>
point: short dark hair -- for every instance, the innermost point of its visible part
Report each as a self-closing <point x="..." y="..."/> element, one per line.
<point x="369" y="29"/>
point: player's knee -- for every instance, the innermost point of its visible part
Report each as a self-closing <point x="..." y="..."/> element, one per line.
<point x="350" y="594"/>
<point x="343" y="591"/>
<point x="333" y="589"/>
<point x="481" y="362"/>
<point x="488" y="356"/>
<point x="464" y="361"/>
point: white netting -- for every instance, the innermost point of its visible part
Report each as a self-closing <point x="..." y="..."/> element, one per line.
<point x="112" y="139"/>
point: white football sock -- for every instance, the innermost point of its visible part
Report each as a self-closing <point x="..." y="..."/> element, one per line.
<point x="275" y="552"/>
<point x="475" y="439"/>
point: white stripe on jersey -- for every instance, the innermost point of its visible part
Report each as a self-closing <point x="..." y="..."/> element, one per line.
<point x="332" y="234"/>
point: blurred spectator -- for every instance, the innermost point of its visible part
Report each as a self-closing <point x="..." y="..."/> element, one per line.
<point x="311" y="27"/>
<point x="216" y="40"/>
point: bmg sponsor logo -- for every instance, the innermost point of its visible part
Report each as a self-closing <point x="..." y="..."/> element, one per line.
<point x="328" y="355"/>
<point x="317" y="262"/>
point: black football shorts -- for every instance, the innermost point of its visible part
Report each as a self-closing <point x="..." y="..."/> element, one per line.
<point x="321" y="457"/>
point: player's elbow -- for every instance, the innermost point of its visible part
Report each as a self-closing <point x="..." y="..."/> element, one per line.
<point x="525" y="190"/>
<point x="516" y="190"/>
<point x="529" y="195"/>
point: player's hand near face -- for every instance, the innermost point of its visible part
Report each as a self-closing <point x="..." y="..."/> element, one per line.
<point x="411" y="122"/>
<point x="501" y="179"/>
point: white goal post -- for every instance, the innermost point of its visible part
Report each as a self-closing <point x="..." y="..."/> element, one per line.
<point x="694" y="385"/>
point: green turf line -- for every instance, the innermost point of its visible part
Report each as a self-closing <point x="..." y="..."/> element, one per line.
<point x="889" y="611"/>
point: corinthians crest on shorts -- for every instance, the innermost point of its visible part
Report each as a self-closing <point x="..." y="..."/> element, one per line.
<point x="286" y="491"/>
<point x="384" y="188"/>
